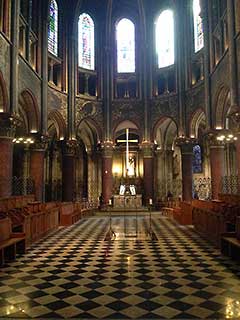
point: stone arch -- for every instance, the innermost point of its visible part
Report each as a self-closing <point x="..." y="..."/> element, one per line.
<point x="89" y="133"/>
<point x="198" y="117"/>
<point x="165" y="132"/>
<point x="29" y="111"/>
<point x="222" y="104"/>
<point x="123" y="125"/>
<point x="4" y="103"/>
<point x="56" y="119"/>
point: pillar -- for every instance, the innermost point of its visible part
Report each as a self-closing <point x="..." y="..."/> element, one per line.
<point x="107" y="177"/>
<point x="232" y="56"/>
<point x="37" y="172"/>
<point x="148" y="171"/>
<point x="238" y="158"/>
<point x="69" y="172"/>
<point x="6" y="158"/>
<point x="187" y="159"/>
<point x="207" y="51"/>
<point x="217" y="168"/>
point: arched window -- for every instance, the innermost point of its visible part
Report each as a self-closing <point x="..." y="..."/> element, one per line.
<point x="197" y="159"/>
<point x="165" y="39"/>
<point x="125" y="33"/>
<point x="198" y="26"/>
<point x="53" y="28"/>
<point x="86" y="50"/>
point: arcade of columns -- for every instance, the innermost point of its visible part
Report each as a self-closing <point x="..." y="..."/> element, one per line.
<point x="10" y="119"/>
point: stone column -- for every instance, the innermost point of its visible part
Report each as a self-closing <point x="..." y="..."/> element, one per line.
<point x="238" y="158"/>
<point x="207" y="82"/>
<point x="217" y="167"/>
<point x="37" y="172"/>
<point x="69" y="171"/>
<point x="232" y="56"/>
<point x="37" y="156"/>
<point x="187" y="177"/>
<point x="6" y="156"/>
<point x="160" y="174"/>
<point x="147" y="149"/>
<point x="14" y="56"/>
<point x="107" y="177"/>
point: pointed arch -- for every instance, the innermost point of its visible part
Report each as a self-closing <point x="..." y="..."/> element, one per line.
<point x="4" y="103"/>
<point x="53" y="28"/>
<point x="28" y="107"/>
<point x="222" y="104"/>
<point x="59" y="123"/>
<point x="164" y="35"/>
<point x="165" y="132"/>
<point x="125" y="36"/>
<point x="86" y="42"/>
<point x="197" y="118"/>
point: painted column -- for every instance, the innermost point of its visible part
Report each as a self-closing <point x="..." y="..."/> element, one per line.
<point x="37" y="172"/>
<point x="207" y="83"/>
<point x="69" y="171"/>
<point x="217" y="167"/>
<point x="187" y="176"/>
<point x="148" y="162"/>
<point x="107" y="177"/>
<point x="232" y="57"/>
<point x="238" y="158"/>
<point x="14" y="56"/>
<point x="6" y="157"/>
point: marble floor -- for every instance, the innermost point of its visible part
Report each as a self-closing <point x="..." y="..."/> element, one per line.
<point x="78" y="273"/>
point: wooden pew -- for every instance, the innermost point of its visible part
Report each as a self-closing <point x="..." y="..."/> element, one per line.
<point x="11" y="244"/>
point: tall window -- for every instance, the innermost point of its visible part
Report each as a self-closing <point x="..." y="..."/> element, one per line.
<point x="165" y="39"/>
<point x="197" y="159"/>
<point x="53" y="28"/>
<point x="125" y="33"/>
<point x="86" y="48"/>
<point x="198" y="26"/>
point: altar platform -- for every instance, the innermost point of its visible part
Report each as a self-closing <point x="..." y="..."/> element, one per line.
<point x="128" y="203"/>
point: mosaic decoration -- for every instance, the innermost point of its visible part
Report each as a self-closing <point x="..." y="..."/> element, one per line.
<point x="125" y="33"/>
<point x="165" y="39"/>
<point x="197" y="159"/>
<point x="86" y="42"/>
<point x="198" y="26"/>
<point x="53" y="28"/>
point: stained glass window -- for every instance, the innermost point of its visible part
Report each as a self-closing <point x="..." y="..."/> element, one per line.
<point x="165" y="39"/>
<point x="197" y="159"/>
<point x="86" y="49"/>
<point x="198" y="26"/>
<point x="53" y="28"/>
<point x="125" y="33"/>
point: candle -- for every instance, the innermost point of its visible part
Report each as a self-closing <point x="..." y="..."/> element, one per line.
<point x="150" y="201"/>
<point x="110" y="202"/>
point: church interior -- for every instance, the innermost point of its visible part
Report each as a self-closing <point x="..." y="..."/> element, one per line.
<point x="120" y="159"/>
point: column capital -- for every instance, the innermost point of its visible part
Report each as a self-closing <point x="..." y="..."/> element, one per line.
<point x="219" y="138"/>
<point x="69" y="147"/>
<point x="107" y="148"/>
<point x="147" y="148"/>
<point x="186" y="144"/>
<point x="8" y="124"/>
<point x="40" y="143"/>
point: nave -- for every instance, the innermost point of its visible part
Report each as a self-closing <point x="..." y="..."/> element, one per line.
<point x="75" y="273"/>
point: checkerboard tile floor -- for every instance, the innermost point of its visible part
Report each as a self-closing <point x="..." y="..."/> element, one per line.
<point x="74" y="273"/>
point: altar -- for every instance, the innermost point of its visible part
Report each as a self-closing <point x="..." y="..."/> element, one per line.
<point x="127" y="201"/>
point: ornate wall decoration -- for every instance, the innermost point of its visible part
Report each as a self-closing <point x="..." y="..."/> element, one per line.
<point x="89" y="109"/>
<point x="58" y="100"/>
<point x="128" y="111"/>
<point x="164" y="107"/>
